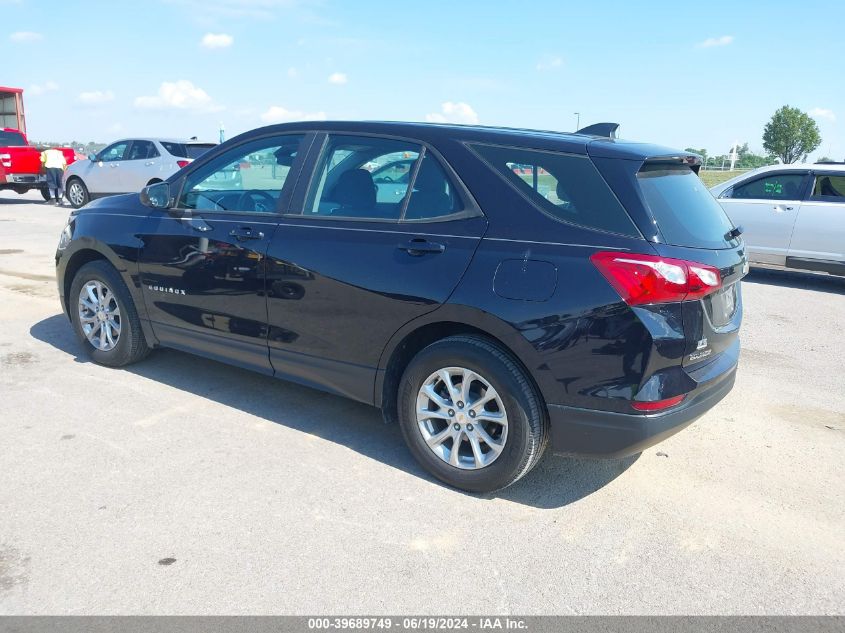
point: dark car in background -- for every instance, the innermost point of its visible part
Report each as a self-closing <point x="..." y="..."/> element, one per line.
<point x="522" y="288"/>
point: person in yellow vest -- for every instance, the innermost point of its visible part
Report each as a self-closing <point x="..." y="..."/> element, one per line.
<point x="55" y="165"/>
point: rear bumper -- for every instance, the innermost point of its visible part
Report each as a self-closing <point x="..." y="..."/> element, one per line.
<point x="24" y="179"/>
<point x="593" y="433"/>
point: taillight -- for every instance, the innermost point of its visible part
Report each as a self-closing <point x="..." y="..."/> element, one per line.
<point x="643" y="279"/>
<point x="657" y="405"/>
<point x="6" y="160"/>
<point x="183" y="163"/>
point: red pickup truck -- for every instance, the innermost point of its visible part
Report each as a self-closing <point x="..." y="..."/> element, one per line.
<point x="20" y="163"/>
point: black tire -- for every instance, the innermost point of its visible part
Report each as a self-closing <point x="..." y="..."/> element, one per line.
<point x="131" y="346"/>
<point x="45" y="193"/>
<point x="82" y="199"/>
<point x="527" y="417"/>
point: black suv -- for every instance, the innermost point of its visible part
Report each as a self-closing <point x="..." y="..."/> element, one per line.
<point x="491" y="290"/>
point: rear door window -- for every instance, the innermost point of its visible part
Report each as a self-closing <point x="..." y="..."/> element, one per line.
<point x="683" y="209"/>
<point x="348" y="184"/>
<point x="141" y="150"/>
<point x="829" y="188"/>
<point x="567" y="187"/>
<point x="195" y="150"/>
<point x="770" y="187"/>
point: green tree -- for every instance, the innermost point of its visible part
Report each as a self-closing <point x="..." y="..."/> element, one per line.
<point x="701" y="152"/>
<point x="791" y="135"/>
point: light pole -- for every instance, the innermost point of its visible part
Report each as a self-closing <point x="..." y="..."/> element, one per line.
<point x="577" y="120"/>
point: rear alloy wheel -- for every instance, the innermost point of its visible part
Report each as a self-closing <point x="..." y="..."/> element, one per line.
<point x="77" y="193"/>
<point x="462" y="418"/>
<point x="104" y="316"/>
<point x="470" y="415"/>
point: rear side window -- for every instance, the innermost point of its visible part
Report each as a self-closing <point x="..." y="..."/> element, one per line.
<point x="567" y="187"/>
<point x="770" y="187"/>
<point x="829" y="187"/>
<point x="195" y="150"/>
<point x="684" y="210"/>
<point x="176" y="149"/>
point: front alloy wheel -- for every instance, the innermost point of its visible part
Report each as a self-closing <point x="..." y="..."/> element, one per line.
<point x="461" y="418"/>
<point x="76" y="193"/>
<point x="99" y="315"/>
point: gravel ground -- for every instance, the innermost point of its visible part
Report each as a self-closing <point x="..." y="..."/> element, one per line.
<point x="184" y="486"/>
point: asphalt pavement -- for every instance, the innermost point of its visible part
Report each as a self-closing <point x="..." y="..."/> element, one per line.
<point x="183" y="486"/>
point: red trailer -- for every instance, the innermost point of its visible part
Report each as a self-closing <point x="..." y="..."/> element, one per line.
<point x="11" y="109"/>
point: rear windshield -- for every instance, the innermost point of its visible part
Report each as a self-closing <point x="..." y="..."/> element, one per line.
<point x="564" y="186"/>
<point x="685" y="211"/>
<point x="195" y="150"/>
<point x="11" y="139"/>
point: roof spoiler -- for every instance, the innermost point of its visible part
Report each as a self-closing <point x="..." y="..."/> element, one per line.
<point x="600" y="129"/>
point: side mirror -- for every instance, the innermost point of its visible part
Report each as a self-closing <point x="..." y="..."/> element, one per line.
<point x="156" y="196"/>
<point x="92" y="158"/>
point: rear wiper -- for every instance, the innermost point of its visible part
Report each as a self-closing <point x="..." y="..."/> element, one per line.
<point x="733" y="233"/>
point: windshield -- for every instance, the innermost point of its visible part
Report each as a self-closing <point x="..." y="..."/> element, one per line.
<point x="684" y="210"/>
<point x="11" y="139"/>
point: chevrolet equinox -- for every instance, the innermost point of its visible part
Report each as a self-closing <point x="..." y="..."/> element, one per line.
<point x="492" y="290"/>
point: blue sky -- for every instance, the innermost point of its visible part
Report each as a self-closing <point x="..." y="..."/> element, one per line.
<point x="679" y="74"/>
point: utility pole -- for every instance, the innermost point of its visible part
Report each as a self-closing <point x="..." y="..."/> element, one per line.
<point x="222" y="132"/>
<point x="577" y="120"/>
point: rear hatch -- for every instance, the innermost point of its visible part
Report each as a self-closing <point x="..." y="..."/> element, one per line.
<point x="681" y="220"/>
<point x="692" y="226"/>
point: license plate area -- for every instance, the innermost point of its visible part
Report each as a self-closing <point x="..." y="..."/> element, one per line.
<point x="721" y="305"/>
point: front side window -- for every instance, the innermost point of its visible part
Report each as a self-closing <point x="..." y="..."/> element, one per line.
<point x="247" y="178"/>
<point x="380" y="179"/>
<point x="770" y="187"/>
<point x="829" y="187"/>
<point x="114" y="152"/>
<point x="567" y="187"/>
<point x="141" y="150"/>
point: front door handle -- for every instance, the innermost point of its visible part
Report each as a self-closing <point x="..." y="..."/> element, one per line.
<point x="419" y="246"/>
<point x="244" y="233"/>
<point x="112" y="165"/>
<point x="149" y="162"/>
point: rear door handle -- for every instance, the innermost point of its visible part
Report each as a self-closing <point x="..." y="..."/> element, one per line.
<point x="149" y="162"/>
<point x="419" y="246"/>
<point x="244" y="233"/>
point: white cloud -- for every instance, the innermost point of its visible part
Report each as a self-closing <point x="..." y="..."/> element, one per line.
<point x="181" y="95"/>
<point x="550" y="63"/>
<point x="338" y="79"/>
<point x="710" y="42"/>
<point x="823" y="113"/>
<point x="95" y="97"/>
<point x="256" y="9"/>
<point x="216" y="40"/>
<point x="450" y="112"/>
<point x="40" y="89"/>
<point x="25" y="36"/>
<point x="278" y="114"/>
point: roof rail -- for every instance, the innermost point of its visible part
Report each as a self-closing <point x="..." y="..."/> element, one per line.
<point x="600" y="129"/>
<point x="830" y="162"/>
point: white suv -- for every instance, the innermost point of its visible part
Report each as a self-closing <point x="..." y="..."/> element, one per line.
<point x="793" y="216"/>
<point x="127" y="166"/>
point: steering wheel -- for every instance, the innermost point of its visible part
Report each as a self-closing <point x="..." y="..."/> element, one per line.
<point x="248" y="195"/>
